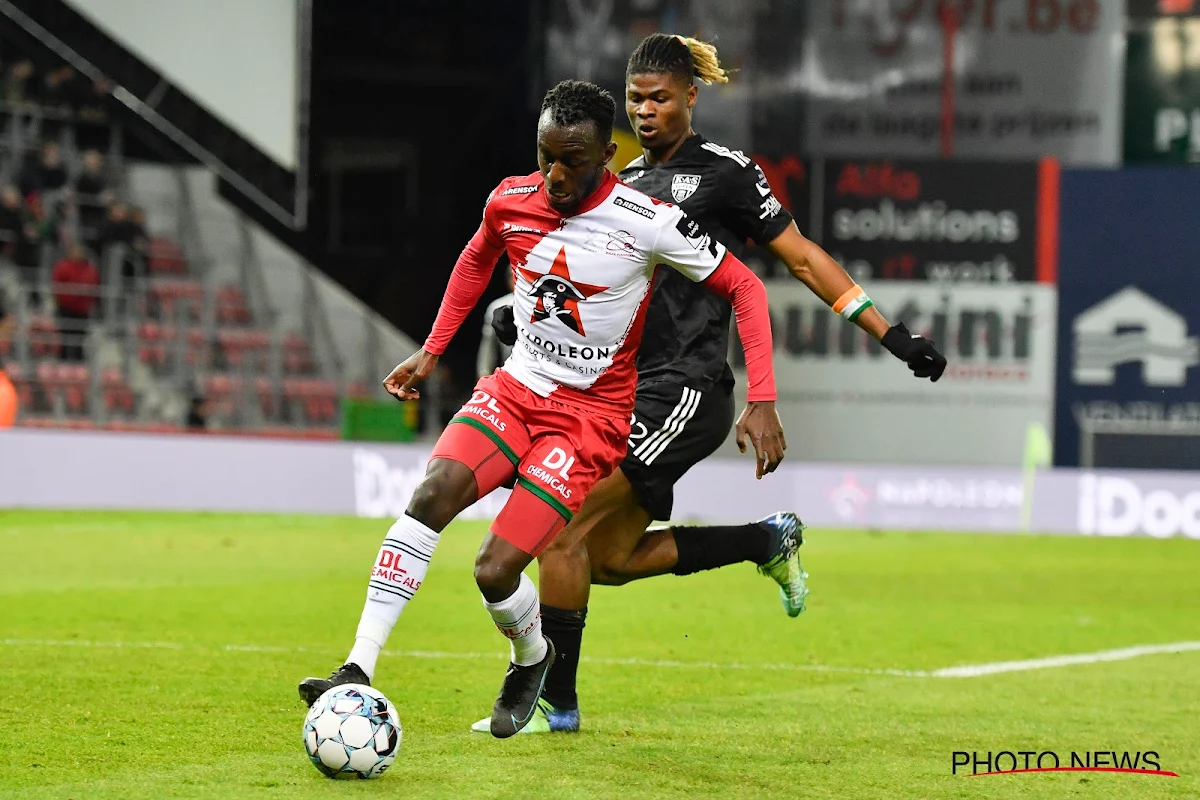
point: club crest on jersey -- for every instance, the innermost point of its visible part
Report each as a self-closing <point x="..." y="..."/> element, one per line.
<point x="684" y="186"/>
<point x="558" y="296"/>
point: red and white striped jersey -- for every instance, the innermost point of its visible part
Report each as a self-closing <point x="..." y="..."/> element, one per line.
<point x="583" y="284"/>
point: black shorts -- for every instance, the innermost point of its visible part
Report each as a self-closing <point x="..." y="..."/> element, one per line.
<point x="673" y="429"/>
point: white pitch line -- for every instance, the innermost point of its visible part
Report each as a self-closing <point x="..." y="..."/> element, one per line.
<point x="89" y="643"/>
<point x="961" y="671"/>
<point x="640" y="662"/>
<point x="1122" y="654"/>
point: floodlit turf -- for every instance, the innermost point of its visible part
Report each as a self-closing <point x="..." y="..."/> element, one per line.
<point x="179" y="709"/>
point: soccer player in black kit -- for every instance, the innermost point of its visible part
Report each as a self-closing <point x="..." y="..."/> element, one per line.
<point x="685" y="387"/>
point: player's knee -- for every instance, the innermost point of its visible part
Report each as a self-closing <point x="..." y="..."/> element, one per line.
<point x="448" y="488"/>
<point x="610" y="572"/>
<point x="495" y="578"/>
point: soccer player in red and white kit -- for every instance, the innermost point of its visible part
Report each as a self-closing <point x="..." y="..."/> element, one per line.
<point x="685" y="403"/>
<point x="584" y="248"/>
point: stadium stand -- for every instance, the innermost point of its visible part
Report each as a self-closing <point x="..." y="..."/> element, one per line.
<point x="192" y="303"/>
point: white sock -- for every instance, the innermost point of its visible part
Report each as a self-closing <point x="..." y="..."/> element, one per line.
<point x="399" y="570"/>
<point x="519" y="617"/>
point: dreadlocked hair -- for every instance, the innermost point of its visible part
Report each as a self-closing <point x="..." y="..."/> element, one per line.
<point x="573" y="102"/>
<point x="680" y="56"/>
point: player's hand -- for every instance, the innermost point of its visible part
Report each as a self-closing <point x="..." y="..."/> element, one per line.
<point x="760" y="424"/>
<point x="409" y="373"/>
<point x="916" y="351"/>
<point x="504" y="323"/>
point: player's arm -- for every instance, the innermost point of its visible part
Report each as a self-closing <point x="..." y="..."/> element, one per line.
<point x="753" y="212"/>
<point x="817" y="270"/>
<point x="471" y="275"/>
<point x="689" y="249"/>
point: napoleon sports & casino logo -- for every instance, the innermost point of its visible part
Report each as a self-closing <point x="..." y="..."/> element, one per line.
<point x="978" y="763"/>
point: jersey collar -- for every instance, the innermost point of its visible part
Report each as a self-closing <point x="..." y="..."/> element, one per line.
<point x="594" y="199"/>
<point x="690" y="145"/>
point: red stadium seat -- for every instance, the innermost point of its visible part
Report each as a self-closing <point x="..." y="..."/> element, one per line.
<point x="166" y="256"/>
<point x="66" y="381"/>
<point x="231" y="306"/>
<point x="169" y="296"/>
<point x="118" y="397"/>
<point x="318" y="399"/>
<point x="44" y="340"/>
<point x="240" y="344"/>
<point x="297" y="355"/>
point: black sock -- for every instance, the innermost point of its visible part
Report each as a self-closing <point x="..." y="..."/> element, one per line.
<point x="717" y="545"/>
<point x="565" y="629"/>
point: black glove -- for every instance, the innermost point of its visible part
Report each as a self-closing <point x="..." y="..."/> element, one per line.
<point x="505" y="325"/>
<point x="916" y="351"/>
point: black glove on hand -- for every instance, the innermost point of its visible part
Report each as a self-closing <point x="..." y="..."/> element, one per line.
<point x="916" y="351"/>
<point x="505" y="325"/>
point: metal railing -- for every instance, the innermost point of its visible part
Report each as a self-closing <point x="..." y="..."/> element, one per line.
<point x="145" y="347"/>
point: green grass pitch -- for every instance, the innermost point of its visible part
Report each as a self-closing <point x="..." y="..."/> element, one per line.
<point x="156" y="656"/>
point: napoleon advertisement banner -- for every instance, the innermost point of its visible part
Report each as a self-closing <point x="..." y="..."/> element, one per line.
<point x="930" y="220"/>
<point x="843" y="398"/>
<point x="1031" y="78"/>
<point x="1129" y="325"/>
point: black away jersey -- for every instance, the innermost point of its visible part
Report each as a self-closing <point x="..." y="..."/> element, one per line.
<point x="686" y="338"/>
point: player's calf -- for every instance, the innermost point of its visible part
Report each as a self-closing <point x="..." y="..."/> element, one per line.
<point x="400" y="568"/>
<point x="511" y="599"/>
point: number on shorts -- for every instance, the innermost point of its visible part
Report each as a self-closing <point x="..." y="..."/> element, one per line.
<point x="637" y="431"/>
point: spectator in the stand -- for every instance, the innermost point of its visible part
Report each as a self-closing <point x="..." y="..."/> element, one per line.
<point x="117" y="228"/>
<point x="197" y="417"/>
<point x="93" y="193"/>
<point x="91" y="180"/>
<point x="137" y="225"/>
<point x="28" y="251"/>
<point x="92" y="128"/>
<point x="12" y="218"/>
<point x="93" y="105"/>
<point x="61" y="90"/>
<point x="61" y="94"/>
<point x="76" y="283"/>
<point x="126" y="226"/>
<point x="47" y="174"/>
<point x="18" y="86"/>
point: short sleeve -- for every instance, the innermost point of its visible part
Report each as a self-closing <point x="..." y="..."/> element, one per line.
<point x="684" y="244"/>
<point x="754" y="211"/>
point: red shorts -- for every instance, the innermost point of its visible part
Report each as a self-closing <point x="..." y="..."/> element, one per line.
<point x="557" y="452"/>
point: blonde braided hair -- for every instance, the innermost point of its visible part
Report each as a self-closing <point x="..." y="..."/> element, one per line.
<point x="707" y="67"/>
<point x="680" y="56"/>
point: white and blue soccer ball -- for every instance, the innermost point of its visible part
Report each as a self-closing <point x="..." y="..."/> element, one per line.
<point x="352" y="731"/>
